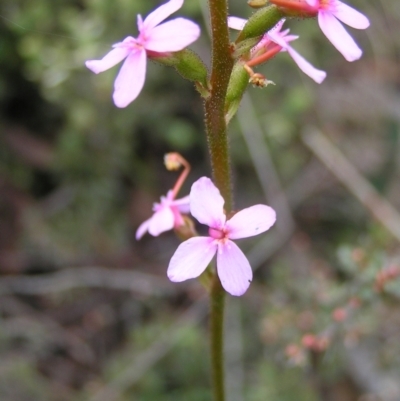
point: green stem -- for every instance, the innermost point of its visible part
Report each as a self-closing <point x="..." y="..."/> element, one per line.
<point x="217" y="139"/>
<point x="222" y="64"/>
<point x="217" y="295"/>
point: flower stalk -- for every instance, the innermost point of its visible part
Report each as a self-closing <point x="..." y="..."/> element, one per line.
<point x="217" y="140"/>
<point x="217" y="305"/>
<point x="222" y="64"/>
<point x="174" y="161"/>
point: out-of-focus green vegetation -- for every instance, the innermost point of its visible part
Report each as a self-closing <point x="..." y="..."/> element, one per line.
<point x="87" y="312"/>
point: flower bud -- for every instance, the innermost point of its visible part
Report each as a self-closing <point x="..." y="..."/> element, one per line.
<point x="260" y="22"/>
<point x="189" y="65"/>
<point x="243" y="47"/>
<point x="172" y="161"/>
<point x="257" y="3"/>
<point x="237" y="85"/>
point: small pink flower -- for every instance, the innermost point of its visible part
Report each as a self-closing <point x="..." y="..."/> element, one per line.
<point x="280" y="39"/>
<point x="329" y="12"/>
<point x="153" y="40"/>
<point x="193" y="256"/>
<point x="167" y="215"/>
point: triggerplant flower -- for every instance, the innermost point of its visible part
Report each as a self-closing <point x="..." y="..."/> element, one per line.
<point x="329" y="12"/>
<point x="153" y="40"/>
<point x="275" y="41"/>
<point x="167" y="215"/>
<point x="193" y="256"/>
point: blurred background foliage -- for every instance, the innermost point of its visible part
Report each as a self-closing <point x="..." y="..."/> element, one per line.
<point x="87" y="312"/>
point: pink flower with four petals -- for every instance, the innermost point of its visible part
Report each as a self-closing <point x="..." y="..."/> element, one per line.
<point x="167" y="215"/>
<point x="193" y="256"/>
<point x="154" y="39"/>
<point x="280" y="38"/>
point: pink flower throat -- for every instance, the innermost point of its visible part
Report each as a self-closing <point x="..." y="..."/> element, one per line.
<point x="326" y="4"/>
<point x="217" y="234"/>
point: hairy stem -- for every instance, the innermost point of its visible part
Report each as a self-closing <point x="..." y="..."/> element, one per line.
<point x="217" y="296"/>
<point x="217" y="140"/>
<point x="222" y="64"/>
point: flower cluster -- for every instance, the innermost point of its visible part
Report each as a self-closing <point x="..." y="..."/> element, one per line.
<point x="167" y="40"/>
<point x="161" y="39"/>
<point x="194" y="255"/>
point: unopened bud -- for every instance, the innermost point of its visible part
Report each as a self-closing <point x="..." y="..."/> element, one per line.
<point x="190" y="66"/>
<point x="260" y="22"/>
<point x="237" y="85"/>
<point x="257" y="3"/>
<point x="172" y="161"/>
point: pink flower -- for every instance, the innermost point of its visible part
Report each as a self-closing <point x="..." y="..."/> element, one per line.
<point x="167" y="215"/>
<point x="153" y="40"/>
<point x="193" y="256"/>
<point x="280" y="40"/>
<point x="329" y="12"/>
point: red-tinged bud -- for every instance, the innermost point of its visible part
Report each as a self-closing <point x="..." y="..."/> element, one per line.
<point x="295" y="8"/>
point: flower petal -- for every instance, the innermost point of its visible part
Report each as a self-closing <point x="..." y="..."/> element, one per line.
<point x="338" y="36"/>
<point x="277" y="28"/>
<point x="350" y="16"/>
<point x="172" y="36"/>
<point x="236" y="23"/>
<point x="143" y="228"/>
<point x="312" y="3"/>
<point x="233" y="268"/>
<point x="251" y="221"/>
<point x="161" y="13"/>
<point x="207" y="204"/>
<point x="191" y="258"/>
<point x="130" y="79"/>
<point x="183" y="204"/>
<point x="308" y="69"/>
<point x="281" y="40"/>
<point x="112" y="58"/>
<point x="162" y="220"/>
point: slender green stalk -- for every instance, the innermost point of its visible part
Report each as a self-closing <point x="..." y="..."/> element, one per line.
<point x="217" y="139"/>
<point x="217" y="296"/>
<point x="222" y="64"/>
